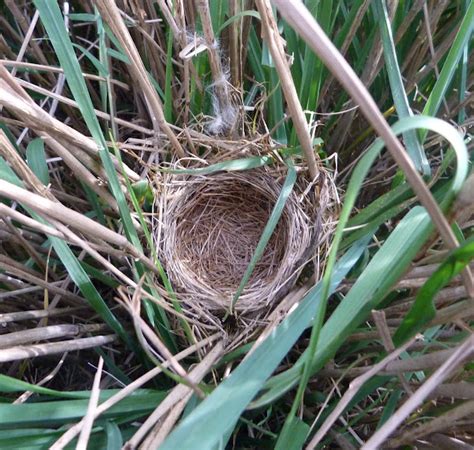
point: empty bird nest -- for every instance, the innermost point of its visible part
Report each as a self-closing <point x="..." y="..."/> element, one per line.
<point x="209" y="231"/>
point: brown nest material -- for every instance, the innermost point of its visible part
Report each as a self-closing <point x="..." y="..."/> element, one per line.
<point x="211" y="226"/>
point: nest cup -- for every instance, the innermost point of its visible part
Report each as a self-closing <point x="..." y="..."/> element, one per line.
<point x="211" y="228"/>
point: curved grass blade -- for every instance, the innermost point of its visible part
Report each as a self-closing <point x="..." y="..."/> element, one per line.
<point x="206" y="425"/>
<point x="424" y="310"/>
<point x="286" y="190"/>
<point x="114" y="436"/>
<point x="450" y="64"/>
<point x="233" y="165"/>
<point x="399" y="95"/>
<point x="372" y="285"/>
<point x="10" y="384"/>
<point x="240" y="15"/>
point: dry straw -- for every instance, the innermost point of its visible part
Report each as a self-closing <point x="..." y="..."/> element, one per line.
<point x="211" y="226"/>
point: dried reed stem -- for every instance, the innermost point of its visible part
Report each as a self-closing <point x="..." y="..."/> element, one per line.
<point x="111" y="14"/>
<point x="302" y="21"/>
<point x="272" y="36"/>
<point x="32" y="351"/>
<point x="218" y="75"/>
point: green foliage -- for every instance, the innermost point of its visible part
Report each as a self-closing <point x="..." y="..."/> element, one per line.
<point x="208" y="422"/>
<point x="36" y="158"/>
<point x="424" y="310"/>
<point x="267" y="232"/>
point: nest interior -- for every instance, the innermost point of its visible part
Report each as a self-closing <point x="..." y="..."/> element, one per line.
<point x="211" y="228"/>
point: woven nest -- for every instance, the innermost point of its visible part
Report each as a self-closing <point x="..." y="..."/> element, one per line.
<point x="211" y="228"/>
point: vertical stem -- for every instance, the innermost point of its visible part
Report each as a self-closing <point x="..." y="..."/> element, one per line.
<point x="272" y="36"/>
<point x="220" y="82"/>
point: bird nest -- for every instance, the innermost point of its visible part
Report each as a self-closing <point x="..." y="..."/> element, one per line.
<point x="211" y="227"/>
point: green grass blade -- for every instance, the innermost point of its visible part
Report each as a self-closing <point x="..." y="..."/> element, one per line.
<point x="414" y="148"/>
<point x="270" y="226"/>
<point x="293" y="436"/>
<point x="360" y="173"/>
<point x="36" y="159"/>
<point x="255" y="56"/>
<point x="386" y="201"/>
<point x="463" y="74"/>
<point x="7" y="173"/>
<point x="53" y="22"/>
<point x="205" y="425"/>
<point x="234" y="165"/>
<point x="66" y="411"/>
<point x="98" y="65"/>
<point x="104" y="61"/>
<point x="450" y="64"/>
<point x="9" y="384"/>
<point x="371" y="279"/>
<point x="424" y="310"/>
<point x="168" y="103"/>
<point x="240" y="15"/>
<point x="386" y="266"/>
<point x="87" y="288"/>
<point x="114" y="436"/>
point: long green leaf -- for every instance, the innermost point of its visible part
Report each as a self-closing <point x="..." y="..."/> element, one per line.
<point x="387" y="265"/>
<point x="450" y="64"/>
<point x="233" y="165"/>
<point x="358" y="176"/>
<point x="87" y="288"/>
<point x="270" y="226"/>
<point x="414" y="148"/>
<point x="238" y="16"/>
<point x="205" y="425"/>
<point x="65" y="411"/>
<point x="423" y="310"/>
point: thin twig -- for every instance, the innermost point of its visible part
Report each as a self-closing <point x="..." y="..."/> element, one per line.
<point x="443" y="422"/>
